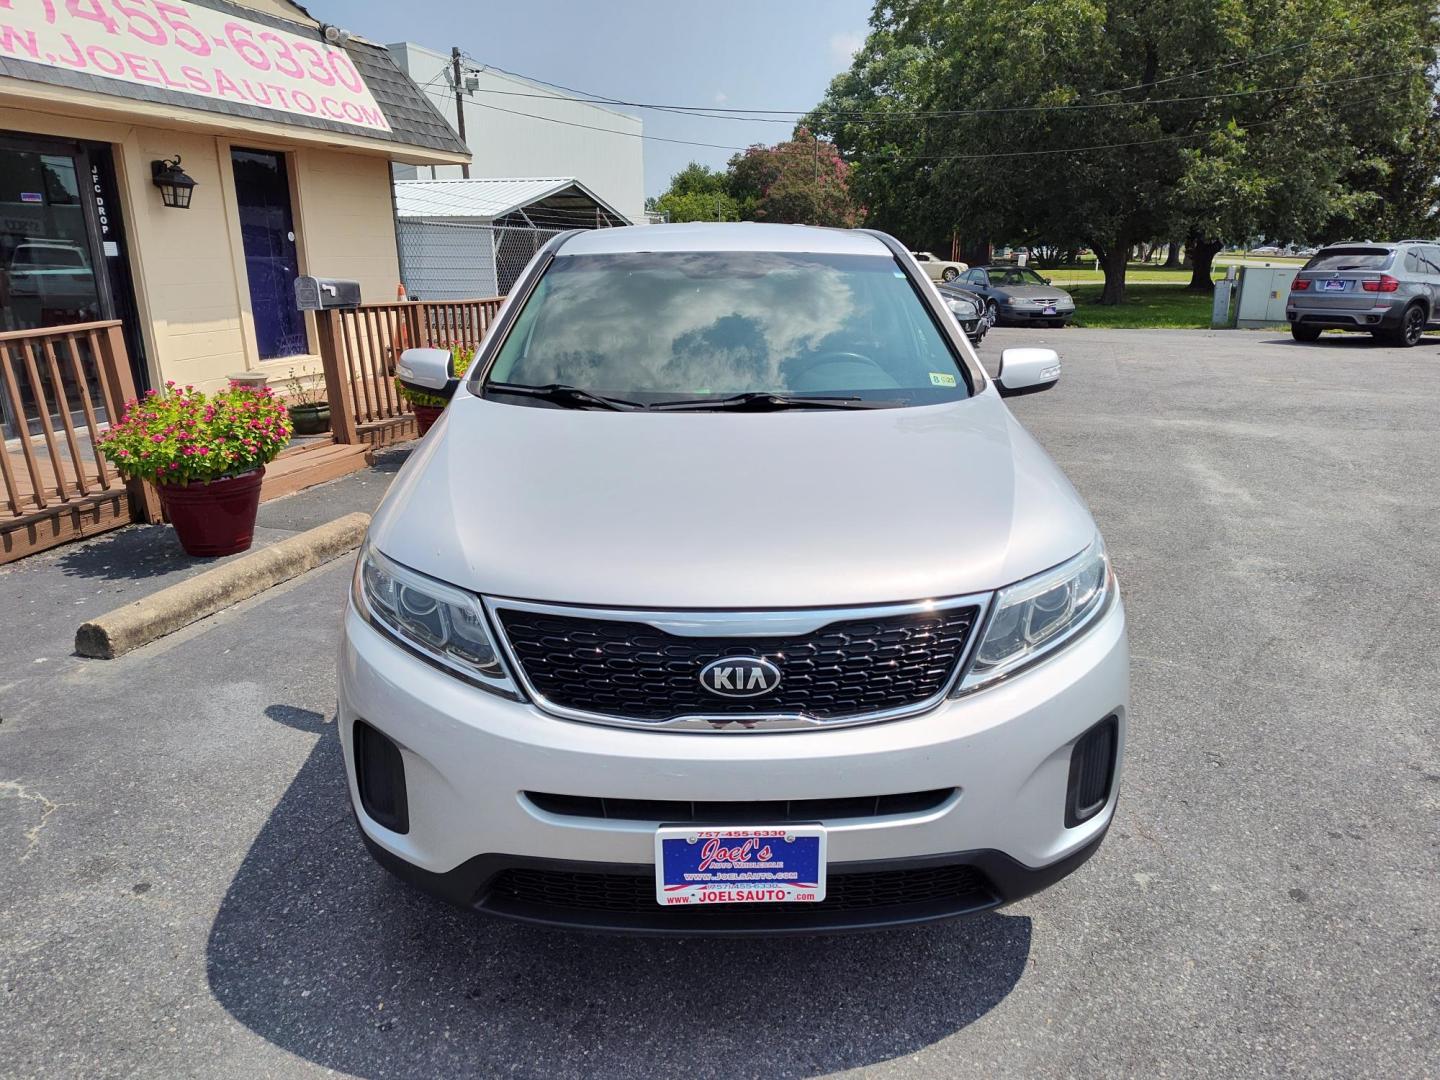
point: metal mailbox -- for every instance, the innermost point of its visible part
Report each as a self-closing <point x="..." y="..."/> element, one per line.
<point x="320" y="294"/>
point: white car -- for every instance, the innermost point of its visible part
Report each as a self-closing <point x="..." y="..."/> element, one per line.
<point x="729" y="597"/>
<point x="939" y="269"/>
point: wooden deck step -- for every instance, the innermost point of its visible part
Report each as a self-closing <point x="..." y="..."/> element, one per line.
<point x="305" y="466"/>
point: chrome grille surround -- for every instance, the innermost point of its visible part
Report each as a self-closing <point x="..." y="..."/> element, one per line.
<point x="726" y="624"/>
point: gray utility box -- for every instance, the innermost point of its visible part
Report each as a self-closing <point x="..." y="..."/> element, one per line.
<point x="319" y="294"/>
<point x="1263" y="293"/>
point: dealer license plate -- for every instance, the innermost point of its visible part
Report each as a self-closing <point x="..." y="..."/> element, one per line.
<point x="739" y="865"/>
<point x="1335" y="285"/>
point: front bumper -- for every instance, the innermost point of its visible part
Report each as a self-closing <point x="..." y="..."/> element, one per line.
<point x="1016" y="314"/>
<point x="470" y="756"/>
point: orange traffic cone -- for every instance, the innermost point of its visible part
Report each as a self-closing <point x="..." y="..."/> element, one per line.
<point x="400" y="291"/>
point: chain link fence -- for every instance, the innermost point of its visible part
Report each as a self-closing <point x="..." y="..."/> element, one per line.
<point x="447" y="260"/>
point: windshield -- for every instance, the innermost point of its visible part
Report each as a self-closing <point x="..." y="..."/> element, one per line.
<point x="1350" y="259"/>
<point x="1015" y="277"/>
<point x="662" y="327"/>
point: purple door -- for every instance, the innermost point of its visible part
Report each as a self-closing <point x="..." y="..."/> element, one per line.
<point x="267" y="230"/>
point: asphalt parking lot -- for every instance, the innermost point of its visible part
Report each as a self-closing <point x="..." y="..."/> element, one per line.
<point x="182" y="891"/>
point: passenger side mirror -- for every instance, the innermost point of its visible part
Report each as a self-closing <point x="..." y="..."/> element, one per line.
<point x="1046" y="280"/>
<point x="1027" y="371"/>
<point x="426" y="369"/>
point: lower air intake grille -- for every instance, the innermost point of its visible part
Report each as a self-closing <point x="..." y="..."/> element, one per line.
<point x="632" y="670"/>
<point x="566" y="890"/>
<point x="779" y="811"/>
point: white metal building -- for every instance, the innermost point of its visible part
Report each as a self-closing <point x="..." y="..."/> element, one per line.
<point x="516" y="127"/>
<point x="465" y="238"/>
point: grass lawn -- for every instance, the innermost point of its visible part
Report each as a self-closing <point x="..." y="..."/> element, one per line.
<point x="1137" y="273"/>
<point x="1153" y="307"/>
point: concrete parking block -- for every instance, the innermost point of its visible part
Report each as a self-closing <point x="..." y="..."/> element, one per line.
<point x="164" y="612"/>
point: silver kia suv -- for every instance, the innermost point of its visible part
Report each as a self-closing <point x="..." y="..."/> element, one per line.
<point x="728" y="596"/>
<point x="1390" y="290"/>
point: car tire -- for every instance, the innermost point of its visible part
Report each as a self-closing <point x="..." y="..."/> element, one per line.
<point x="1301" y="332"/>
<point x="992" y="314"/>
<point x="1410" y="330"/>
<point x="949" y="274"/>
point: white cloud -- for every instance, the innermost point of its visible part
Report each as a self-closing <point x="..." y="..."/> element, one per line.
<point x="721" y="97"/>
<point x="844" y="46"/>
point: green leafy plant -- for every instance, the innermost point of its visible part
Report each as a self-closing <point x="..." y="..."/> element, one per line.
<point x="299" y="392"/>
<point x="185" y="436"/>
<point x="461" y="357"/>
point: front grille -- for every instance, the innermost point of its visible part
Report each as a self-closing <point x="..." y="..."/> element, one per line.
<point x="777" y="812"/>
<point x="566" y="890"/>
<point x="632" y="670"/>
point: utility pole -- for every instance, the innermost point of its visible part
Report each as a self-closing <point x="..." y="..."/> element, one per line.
<point x="459" y="103"/>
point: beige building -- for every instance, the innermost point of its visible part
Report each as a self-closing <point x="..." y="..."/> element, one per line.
<point x="287" y="132"/>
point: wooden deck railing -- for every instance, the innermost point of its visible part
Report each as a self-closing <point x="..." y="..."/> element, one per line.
<point x="359" y="347"/>
<point x="59" y="388"/>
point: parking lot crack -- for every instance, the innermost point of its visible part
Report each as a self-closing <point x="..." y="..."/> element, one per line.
<point x="13" y="789"/>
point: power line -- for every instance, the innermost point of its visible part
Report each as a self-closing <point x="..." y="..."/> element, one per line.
<point x="997" y="110"/>
<point x="951" y="157"/>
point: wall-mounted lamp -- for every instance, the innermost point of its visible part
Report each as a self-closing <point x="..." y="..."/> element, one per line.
<point x="335" y="35"/>
<point x="174" y="184"/>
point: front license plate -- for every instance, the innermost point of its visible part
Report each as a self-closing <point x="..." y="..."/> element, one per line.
<point x="739" y="866"/>
<point x="1335" y="286"/>
<point x="1048" y="311"/>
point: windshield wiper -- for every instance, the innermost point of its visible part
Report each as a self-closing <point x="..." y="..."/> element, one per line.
<point x="763" y="401"/>
<point x="569" y="397"/>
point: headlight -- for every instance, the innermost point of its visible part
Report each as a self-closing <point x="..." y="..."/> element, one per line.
<point x="964" y="309"/>
<point x="1038" y="615"/>
<point x="439" y="622"/>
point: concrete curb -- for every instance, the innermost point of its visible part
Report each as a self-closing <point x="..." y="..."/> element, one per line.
<point x="166" y="611"/>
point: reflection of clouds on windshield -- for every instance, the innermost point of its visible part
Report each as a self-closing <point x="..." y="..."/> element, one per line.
<point x="692" y="326"/>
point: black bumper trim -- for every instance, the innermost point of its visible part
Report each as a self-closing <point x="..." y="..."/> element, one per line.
<point x="468" y="886"/>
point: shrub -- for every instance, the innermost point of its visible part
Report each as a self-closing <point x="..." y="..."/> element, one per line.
<point x="461" y="357"/>
<point x="184" y="436"/>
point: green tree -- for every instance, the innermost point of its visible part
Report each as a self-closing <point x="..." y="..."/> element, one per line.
<point x="1213" y="120"/>
<point x="698" y="193"/>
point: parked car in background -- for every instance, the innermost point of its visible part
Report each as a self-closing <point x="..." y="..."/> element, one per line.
<point x="1017" y="295"/>
<point x="852" y="714"/>
<point x="968" y="309"/>
<point x="938" y="269"/>
<point x="55" y="271"/>
<point x="1389" y="290"/>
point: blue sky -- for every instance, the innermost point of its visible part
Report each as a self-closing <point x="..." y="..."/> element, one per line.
<point x="762" y="54"/>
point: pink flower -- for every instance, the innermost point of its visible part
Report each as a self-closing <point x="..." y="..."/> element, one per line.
<point x="157" y="438"/>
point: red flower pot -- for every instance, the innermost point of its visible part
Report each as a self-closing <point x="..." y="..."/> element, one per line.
<point x="425" y="415"/>
<point x="214" y="518"/>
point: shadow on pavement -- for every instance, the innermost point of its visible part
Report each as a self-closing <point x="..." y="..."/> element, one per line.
<point x="318" y="950"/>
<point x="140" y="551"/>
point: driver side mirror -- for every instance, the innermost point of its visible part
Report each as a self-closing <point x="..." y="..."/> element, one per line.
<point x="1046" y="280"/>
<point x="427" y="369"/>
<point x="1027" y="371"/>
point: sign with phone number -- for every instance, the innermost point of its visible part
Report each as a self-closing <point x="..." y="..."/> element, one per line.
<point x="193" y="50"/>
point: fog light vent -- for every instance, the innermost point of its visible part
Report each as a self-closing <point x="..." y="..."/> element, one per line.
<point x="1092" y="770"/>
<point x="380" y="775"/>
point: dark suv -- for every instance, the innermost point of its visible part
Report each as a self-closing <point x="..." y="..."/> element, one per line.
<point x="1390" y="290"/>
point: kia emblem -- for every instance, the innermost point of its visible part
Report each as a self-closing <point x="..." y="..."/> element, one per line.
<point x="740" y="677"/>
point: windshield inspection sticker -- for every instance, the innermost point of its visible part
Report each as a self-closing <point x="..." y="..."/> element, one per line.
<point x="939" y="379"/>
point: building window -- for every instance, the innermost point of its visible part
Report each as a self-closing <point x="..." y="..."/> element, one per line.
<point x="267" y="230"/>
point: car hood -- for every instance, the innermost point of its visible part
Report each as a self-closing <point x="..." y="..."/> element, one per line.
<point x="1034" y="292"/>
<point x="730" y="510"/>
